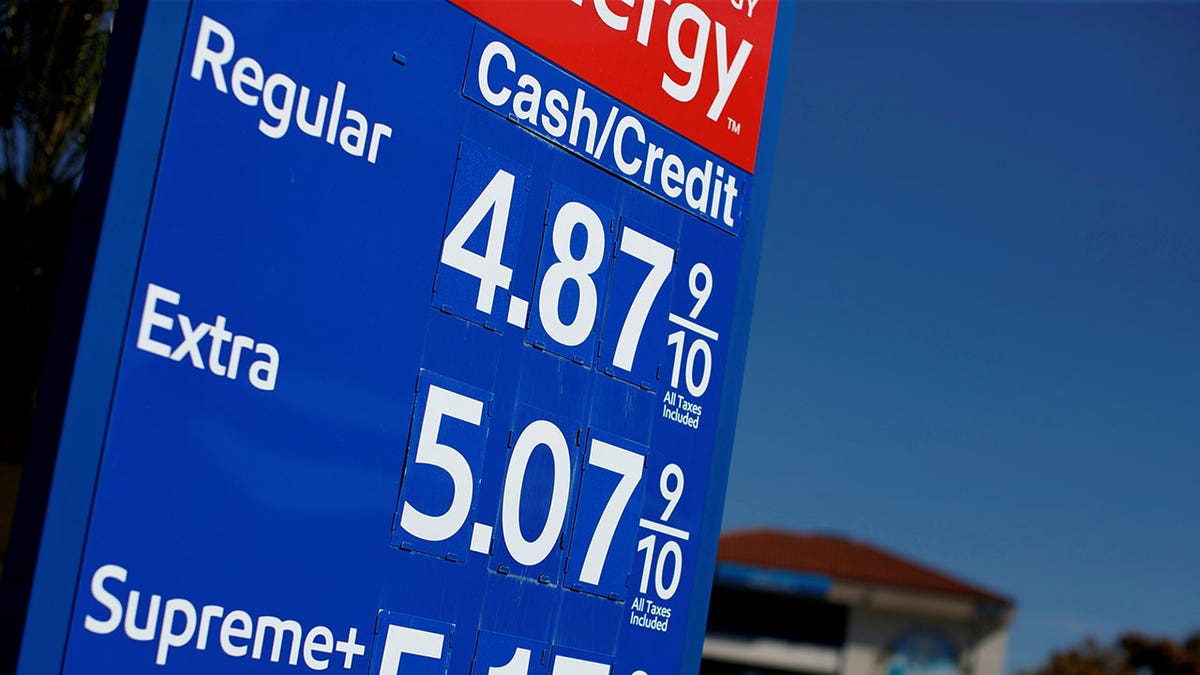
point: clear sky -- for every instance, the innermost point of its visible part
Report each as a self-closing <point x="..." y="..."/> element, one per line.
<point x="976" y="337"/>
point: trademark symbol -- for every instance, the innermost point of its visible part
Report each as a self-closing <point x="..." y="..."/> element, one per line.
<point x="734" y="125"/>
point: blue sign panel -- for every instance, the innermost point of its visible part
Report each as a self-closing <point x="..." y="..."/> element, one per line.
<point x="410" y="383"/>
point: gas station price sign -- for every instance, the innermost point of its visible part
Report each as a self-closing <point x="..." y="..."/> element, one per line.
<point x="426" y="348"/>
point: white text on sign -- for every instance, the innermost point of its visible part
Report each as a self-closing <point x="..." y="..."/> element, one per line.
<point x="564" y="110"/>
<point x="177" y="623"/>
<point x="280" y="99"/>
<point x="261" y="373"/>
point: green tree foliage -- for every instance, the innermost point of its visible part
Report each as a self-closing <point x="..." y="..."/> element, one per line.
<point x="51" y="57"/>
<point x="1131" y="654"/>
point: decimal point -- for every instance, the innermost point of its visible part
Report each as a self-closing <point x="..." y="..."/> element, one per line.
<point x="481" y="538"/>
<point x="518" y="310"/>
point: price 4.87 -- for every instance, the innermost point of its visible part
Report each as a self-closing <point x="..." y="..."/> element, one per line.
<point x="572" y="274"/>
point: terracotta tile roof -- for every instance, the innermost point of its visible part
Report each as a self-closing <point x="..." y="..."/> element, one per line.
<point x="841" y="559"/>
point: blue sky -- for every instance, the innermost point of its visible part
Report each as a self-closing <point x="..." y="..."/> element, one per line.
<point x="976" y="336"/>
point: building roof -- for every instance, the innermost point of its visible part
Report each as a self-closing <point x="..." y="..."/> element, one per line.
<point x="842" y="560"/>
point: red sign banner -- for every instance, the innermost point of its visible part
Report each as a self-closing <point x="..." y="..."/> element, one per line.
<point x="698" y="68"/>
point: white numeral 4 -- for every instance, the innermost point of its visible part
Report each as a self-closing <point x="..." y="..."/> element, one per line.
<point x="496" y="198"/>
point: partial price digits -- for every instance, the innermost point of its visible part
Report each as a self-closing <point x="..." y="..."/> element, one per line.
<point x="416" y="646"/>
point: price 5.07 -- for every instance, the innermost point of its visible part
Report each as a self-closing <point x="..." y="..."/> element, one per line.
<point x="584" y="493"/>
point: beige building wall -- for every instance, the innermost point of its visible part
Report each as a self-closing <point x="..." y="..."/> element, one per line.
<point x="989" y="655"/>
<point x="871" y="632"/>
